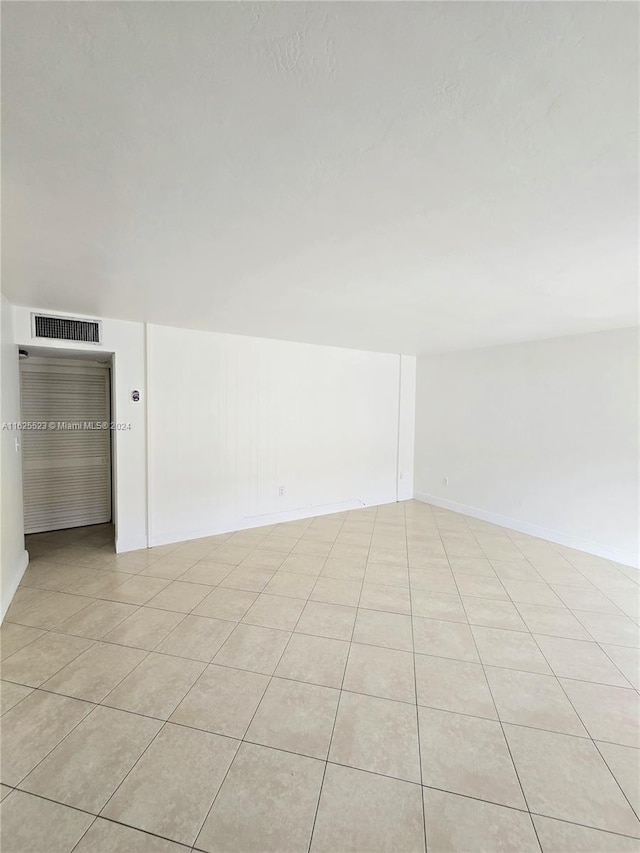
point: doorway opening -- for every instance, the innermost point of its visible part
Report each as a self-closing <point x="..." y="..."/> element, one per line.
<point x="66" y="444"/>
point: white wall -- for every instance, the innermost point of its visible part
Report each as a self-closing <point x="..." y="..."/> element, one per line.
<point x="233" y="419"/>
<point x="541" y="437"/>
<point x="126" y="341"/>
<point x="12" y="552"/>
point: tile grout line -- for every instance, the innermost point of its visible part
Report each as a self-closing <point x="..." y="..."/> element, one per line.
<point x="415" y="687"/>
<point x="335" y="716"/>
<point x="499" y="720"/>
<point x="242" y="740"/>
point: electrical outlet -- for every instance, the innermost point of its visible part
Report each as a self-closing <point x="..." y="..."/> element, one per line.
<point x="280" y="491"/>
<point x="445" y="481"/>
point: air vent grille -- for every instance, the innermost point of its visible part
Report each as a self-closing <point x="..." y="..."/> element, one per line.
<point x="66" y="329"/>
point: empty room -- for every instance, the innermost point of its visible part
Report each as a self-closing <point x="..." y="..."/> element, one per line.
<point x="320" y="462"/>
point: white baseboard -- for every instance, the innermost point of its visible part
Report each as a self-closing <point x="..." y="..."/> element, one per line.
<point x="249" y="522"/>
<point x="618" y="555"/>
<point x="10" y="591"/>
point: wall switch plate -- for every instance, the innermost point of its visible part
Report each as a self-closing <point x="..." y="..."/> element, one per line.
<point x="445" y="481"/>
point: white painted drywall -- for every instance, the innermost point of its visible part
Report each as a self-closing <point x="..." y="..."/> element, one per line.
<point x="126" y="341"/>
<point x="12" y="552"/>
<point x="233" y="419"/>
<point x="542" y="437"/>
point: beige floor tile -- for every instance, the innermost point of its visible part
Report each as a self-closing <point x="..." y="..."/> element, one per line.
<point x="223" y="603"/>
<point x="247" y="578"/>
<point x="565" y="777"/>
<point x="579" y="598"/>
<point x="327" y="620"/>
<point x="312" y="547"/>
<point x="157" y="686"/>
<point x="552" y="621"/>
<point x="530" y="592"/>
<point x="607" y="628"/>
<point x="388" y="556"/>
<point x="223" y="701"/>
<point x="493" y="614"/>
<point x="530" y="699"/>
<point x="316" y="660"/>
<point x="145" y="628"/>
<point x="14" y="637"/>
<point x="453" y="685"/>
<point x="33" y="825"/>
<point x="383" y="814"/>
<point x="516" y="570"/>
<point x="509" y="649"/>
<point x="179" y="596"/>
<point x="437" y="605"/>
<point x="265" y="558"/>
<point x="609" y="713"/>
<point x="253" y="648"/>
<point x="624" y="763"/>
<point x="207" y="573"/>
<point x="275" y="611"/>
<point x="282" y="544"/>
<point x="296" y="717"/>
<point x="11" y="694"/>
<point x="387" y="673"/>
<point x="458" y="824"/>
<point x="433" y="581"/>
<point x="231" y="554"/>
<point x="54" y="610"/>
<point x="196" y="637"/>
<point x="54" y="576"/>
<point x="390" y="599"/>
<point x="33" y="728"/>
<point x="356" y="554"/>
<point x="375" y="734"/>
<point x="38" y="661"/>
<point x="97" y="619"/>
<point x="303" y="564"/>
<point x="137" y="590"/>
<point x="386" y="574"/>
<point x="290" y="584"/>
<point x="391" y="630"/>
<point x="472" y="566"/>
<point x="627" y="660"/>
<point x="170" y="567"/>
<point x="196" y="549"/>
<point x="95" y="672"/>
<point x="98" y="583"/>
<point x="579" y="659"/>
<point x="136" y="561"/>
<point x="462" y="546"/>
<point x="467" y="755"/>
<point x="5" y="790"/>
<point x="171" y="788"/>
<point x="444" y="639"/>
<point x="335" y="591"/>
<point x="341" y="569"/>
<point x="105" y="836"/>
<point x="480" y="587"/>
<point x="25" y="598"/>
<point x="556" y="836"/>
<point x="267" y="803"/>
<point x="86" y="768"/>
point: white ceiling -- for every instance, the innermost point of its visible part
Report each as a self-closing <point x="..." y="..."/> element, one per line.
<point x="395" y="176"/>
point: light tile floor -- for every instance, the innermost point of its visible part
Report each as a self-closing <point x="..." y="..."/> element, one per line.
<point x="388" y="679"/>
